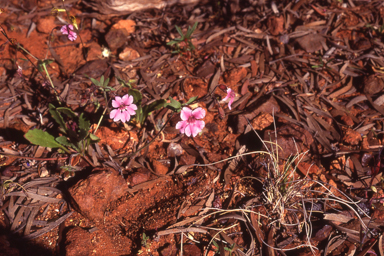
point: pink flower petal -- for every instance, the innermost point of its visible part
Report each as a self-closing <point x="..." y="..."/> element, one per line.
<point x="126" y="116"/>
<point x="230" y="102"/>
<point x="188" y="130"/>
<point x="130" y="100"/>
<point x="118" y="116"/>
<point x="72" y="36"/>
<point x="200" y="125"/>
<point x="198" y="113"/>
<point x="133" y="106"/>
<point x="230" y="96"/>
<point x="185" y="113"/>
<point x="196" y="127"/>
<point x="125" y="100"/>
<point x="130" y="110"/>
<point x="115" y="103"/>
<point x="181" y="126"/>
<point x="113" y="113"/>
<point x="64" y="30"/>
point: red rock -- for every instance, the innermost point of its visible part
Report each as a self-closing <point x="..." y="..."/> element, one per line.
<point x="138" y="177"/>
<point x="78" y="242"/>
<point x="46" y="24"/>
<point x="276" y="25"/>
<point x="347" y="120"/>
<point x="128" y="25"/>
<point x="93" y="194"/>
<point x="116" y="38"/>
<point x="191" y="250"/>
<point x="270" y="106"/>
<point x="129" y="54"/>
<point x="233" y="76"/>
<point x="116" y="138"/>
<point x="352" y="137"/>
<point x="159" y="167"/>
<point x="195" y="87"/>
<point x="292" y="140"/>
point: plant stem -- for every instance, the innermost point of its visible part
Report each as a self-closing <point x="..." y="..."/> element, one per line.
<point x="49" y="78"/>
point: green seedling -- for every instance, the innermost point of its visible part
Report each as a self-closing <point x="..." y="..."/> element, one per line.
<point x="375" y="28"/>
<point x="102" y="85"/>
<point x="144" y="241"/>
<point x="126" y="84"/>
<point x="183" y="38"/>
<point x="75" y="132"/>
<point x="230" y="249"/>
<point x="322" y="64"/>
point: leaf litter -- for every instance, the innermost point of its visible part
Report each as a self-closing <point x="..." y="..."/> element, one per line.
<point x="309" y="80"/>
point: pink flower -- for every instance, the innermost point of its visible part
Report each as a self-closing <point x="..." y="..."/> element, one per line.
<point x="189" y="124"/>
<point x="68" y="30"/>
<point x="19" y="71"/>
<point x="124" y="108"/>
<point x="230" y="96"/>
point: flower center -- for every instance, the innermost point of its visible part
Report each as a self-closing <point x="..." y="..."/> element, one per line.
<point x="191" y="120"/>
<point x="123" y="107"/>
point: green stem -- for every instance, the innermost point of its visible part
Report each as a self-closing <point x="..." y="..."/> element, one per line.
<point x="49" y="78"/>
<point x="27" y="52"/>
<point x="105" y="110"/>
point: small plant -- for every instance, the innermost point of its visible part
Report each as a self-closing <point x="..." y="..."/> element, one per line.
<point x="75" y="132"/>
<point x="144" y="241"/>
<point x="230" y="249"/>
<point x="375" y="28"/>
<point x="184" y="39"/>
<point x="102" y="85"/>
<point x="322" y="64"/>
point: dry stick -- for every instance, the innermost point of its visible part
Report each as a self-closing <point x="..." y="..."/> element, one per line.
<point x="36" y="158"/>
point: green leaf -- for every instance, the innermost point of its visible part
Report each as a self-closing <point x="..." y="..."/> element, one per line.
<point x="174" y="104"/>
<point x="191" y="30"/>
<point x="41" y="63"/>
<point x="106" y="83"/>
<point x="97" y="83"/>
<point x="58" y="118"/>
<point x="137" y="96"/>
<point x="101" y="83"/>
<point x="180" y="31"/>
<point x="67" y="111"/>
<point x="139" y="114"/>
<point x="42" y="138"/>
<point x="154" y="106"/>
<point x="64" y="141"/>
<point x="191" y="100"/>
<point x="84" y="126"/>
<point x="94" y="138"/>
<point x="149" y="108"/>
<point x="172" y="42"/>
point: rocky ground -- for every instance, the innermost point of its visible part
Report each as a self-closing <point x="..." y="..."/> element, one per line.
<point x="291" y="167"/>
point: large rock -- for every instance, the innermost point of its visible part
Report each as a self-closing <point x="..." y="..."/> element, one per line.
<point x="93" y="194"/>
<point x="78" y="242"/>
